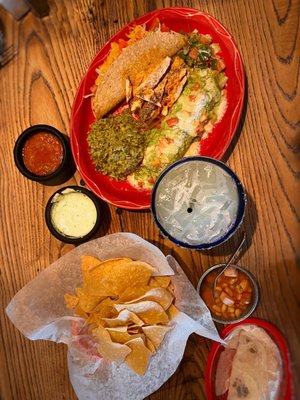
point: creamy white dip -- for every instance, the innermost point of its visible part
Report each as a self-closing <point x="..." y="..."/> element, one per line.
<point x="73" y="213"/>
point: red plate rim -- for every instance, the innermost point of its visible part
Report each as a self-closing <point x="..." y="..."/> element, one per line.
<point x="142" y="196"/>
<point x="278" y="339"/>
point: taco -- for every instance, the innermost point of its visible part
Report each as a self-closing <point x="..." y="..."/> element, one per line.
<point x="135" y="63"/>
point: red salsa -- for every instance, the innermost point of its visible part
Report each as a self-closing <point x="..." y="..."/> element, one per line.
<point x="42" y="153"/>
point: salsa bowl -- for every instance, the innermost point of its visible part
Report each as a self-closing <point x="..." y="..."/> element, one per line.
<point x="237" y="295"/>
<point x="43" y="154"/>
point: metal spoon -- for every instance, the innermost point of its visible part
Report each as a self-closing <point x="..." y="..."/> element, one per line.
<point x="228" y="263"/>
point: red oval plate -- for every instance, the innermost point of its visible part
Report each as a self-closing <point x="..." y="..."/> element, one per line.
<point x="121" y="194"/>
<point x="286" y="390"/>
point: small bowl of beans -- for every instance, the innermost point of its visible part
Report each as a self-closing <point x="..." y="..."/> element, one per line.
<point x="236" y="296"/>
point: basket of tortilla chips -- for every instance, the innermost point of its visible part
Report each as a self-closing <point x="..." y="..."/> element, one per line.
<point x="124" y="310"/>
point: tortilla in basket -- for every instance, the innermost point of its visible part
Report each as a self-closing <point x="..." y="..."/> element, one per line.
<point x="141" y="57"/>
<point x="250" y="366"/>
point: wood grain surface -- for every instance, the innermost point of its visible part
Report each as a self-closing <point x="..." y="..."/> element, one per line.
<point x="39" y="86"/>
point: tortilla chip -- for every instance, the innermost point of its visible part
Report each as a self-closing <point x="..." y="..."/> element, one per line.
<point x="79" y="312"/>
<point x="91" y="322"/>
<point x="89" y="262"/>
<point x="132" y="329"/>
<point x="110" y="263"/>
<point x="106" y="309"/>
<point x="109" y="350"/>
<point x="113" y="277"/>
<point x="120" y="334"/>
<point x="118" y="299"/>
<point x="148" y="311"/>
<point x="156" y="333"/>
<point x="149" y="344"/>
<point x="132" y="293"/>
<point x="172" y="311"/>
<point x="86" y="302"/>
<point x="94" y="282"/>
<point x="125" y="317"/>
<point x="159" y="295"/>
<point x="71" y="301"/>
<point x="160" y="281"/>
<point x="143" y="56"/>
<point x="170" y="288"/>
<point x="138" y="359"/>
<point x="86" y="263"/>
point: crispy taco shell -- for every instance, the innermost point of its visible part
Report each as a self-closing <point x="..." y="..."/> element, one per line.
<point x="135" y="63"/>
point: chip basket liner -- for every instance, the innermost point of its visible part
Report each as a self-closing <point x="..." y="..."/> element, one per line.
<point x="39" y="312"/>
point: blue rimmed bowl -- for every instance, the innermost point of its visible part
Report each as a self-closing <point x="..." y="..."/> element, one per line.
<point x="198" y="203"/>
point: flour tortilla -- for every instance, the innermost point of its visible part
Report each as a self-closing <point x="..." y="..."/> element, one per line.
<point x="250" y="366"/>
<point x="143" y="56"/>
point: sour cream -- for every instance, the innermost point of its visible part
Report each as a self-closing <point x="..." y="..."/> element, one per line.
<point x="73" y="213"/>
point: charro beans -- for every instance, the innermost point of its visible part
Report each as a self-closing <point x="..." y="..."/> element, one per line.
<point x="233" y="294"/>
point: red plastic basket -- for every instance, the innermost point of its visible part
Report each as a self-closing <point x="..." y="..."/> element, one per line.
<point x="286" y="389"/>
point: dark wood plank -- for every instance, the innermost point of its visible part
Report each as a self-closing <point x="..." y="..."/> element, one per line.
<point x="39" y="86"/>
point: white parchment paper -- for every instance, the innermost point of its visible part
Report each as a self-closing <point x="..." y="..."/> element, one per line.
<point x="38" y="311"/>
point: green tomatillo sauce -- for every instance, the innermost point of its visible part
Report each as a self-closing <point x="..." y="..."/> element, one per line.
<point x="117" y="144"/>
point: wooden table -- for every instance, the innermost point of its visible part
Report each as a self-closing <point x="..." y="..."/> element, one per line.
<point x="39" y="85"/>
